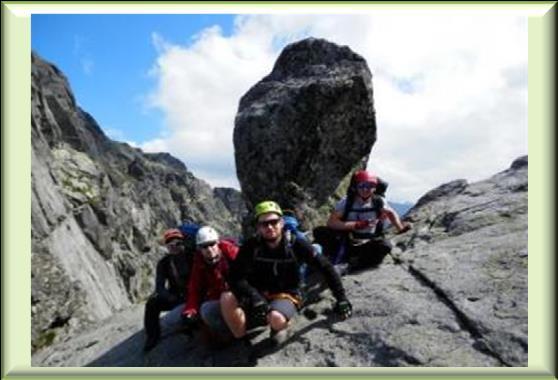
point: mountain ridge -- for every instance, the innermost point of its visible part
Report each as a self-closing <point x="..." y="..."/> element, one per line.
<point x="99" y="208"/>
<point x="453" y="292"/>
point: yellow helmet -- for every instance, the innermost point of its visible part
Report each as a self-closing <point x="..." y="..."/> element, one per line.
<point x="267" y="207"/>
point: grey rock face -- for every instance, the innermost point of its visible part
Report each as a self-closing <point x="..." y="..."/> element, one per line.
<point x="98" y="210"/>
<point x="471" y="248"/>
<point x="233" y="201"/>
<point x="453" y="293"/>
<point x="301" y="129"/>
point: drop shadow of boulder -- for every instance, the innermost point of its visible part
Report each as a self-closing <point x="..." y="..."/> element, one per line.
<point x="266" y="347"/>
<point x="176" y="348"/>
<point x="316" y="313"/>
<point x="180" y="348"/>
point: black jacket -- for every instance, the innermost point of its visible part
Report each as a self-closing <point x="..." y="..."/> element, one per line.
<point x="173" y="272"/>
<point x="258" y="268"/>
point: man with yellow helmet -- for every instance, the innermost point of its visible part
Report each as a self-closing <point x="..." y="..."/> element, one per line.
<point x="265" y="280"/>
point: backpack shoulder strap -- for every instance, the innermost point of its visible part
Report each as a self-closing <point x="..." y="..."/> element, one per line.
<point x="290" y="238"/>
<point x="257" y="248"/>
<point x="174" y="271"/>
<point x="348" y="205"/>
<point x="378" y="204"/>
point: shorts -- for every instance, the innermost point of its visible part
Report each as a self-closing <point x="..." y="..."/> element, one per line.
<point x="285" y="307"/>
<point x="210" y="313"/>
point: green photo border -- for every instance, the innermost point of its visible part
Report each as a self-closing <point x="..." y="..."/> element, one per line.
<point x="16" y="195"/>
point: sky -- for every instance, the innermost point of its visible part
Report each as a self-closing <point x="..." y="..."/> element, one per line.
<point x="450" y="88"/>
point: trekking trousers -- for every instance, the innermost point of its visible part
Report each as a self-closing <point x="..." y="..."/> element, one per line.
<point x="369" y="254"/>
<point x="154" y="306"/>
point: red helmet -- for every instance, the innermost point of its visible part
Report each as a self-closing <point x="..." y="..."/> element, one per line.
<point x="172" y="234"/>
<point x="364" y="176"/>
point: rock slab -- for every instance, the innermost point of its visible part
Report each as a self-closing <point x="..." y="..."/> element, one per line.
<point x="452" y="294"/>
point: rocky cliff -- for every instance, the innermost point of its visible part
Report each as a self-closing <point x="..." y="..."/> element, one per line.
<point x="98" y="210"/>
<point x="301" y="129"/>
<point x="452" y="293"/>
<point x="233" y="200"/>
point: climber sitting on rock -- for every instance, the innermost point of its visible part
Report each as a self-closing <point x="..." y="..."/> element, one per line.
<point x="172" y="275"/>
<point x="207" y="282"/>
<point x="265" y="279"/>
<point x="354" y="232"/>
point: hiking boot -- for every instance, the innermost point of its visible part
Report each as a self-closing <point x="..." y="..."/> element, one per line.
<point x="150" y="343"/>
<point x="341" y="269"/>
<point x="354" y="264"/>
<point x="278" y="338"/>
<point x="216" y="340"/>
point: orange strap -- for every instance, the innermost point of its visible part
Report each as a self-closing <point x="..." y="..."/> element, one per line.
<point x="284" y="296"/>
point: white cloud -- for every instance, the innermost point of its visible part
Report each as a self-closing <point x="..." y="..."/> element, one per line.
<point x="114" y="133"/>
<point x="156" y="145"/>
<point x="119" y="135"/>
<point x="87" y="65"/>
<point x="80" y="50"/>
<point x="450" y="91"/>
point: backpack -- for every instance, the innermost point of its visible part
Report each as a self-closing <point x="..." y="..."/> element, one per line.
<point x="189" y="230"/>
<point x="291" y="227"/>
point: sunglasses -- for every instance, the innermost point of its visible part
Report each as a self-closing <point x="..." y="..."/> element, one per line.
<point x="365" y="185"/>
<point x="271" y="222"/>
<point x="207" y="245"/>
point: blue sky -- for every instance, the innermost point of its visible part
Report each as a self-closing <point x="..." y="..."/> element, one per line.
<point x="450" y="87"/>
<point x="107" y="59"/>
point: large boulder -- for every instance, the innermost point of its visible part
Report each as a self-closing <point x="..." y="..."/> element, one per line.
<point x="302" y="129"/>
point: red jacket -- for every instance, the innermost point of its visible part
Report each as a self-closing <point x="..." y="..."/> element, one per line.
<point x="208" y="282"/>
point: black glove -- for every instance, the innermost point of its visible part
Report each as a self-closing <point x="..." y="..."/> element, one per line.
<point x="343" y="308"/>
<point x="259" y="313"/>
<point x="189" y="321"/>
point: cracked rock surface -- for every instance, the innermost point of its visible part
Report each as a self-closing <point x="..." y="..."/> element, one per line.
<point x="453" y="293"/>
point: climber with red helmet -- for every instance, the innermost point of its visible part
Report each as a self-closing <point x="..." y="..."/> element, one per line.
<point x="265" y="278"/>
<point x="208" y="280"/>
<point x="172" y="275"/>
<point x="357" y="220"/>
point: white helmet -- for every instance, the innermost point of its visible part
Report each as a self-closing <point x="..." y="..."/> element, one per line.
<point x="205" y="235"/>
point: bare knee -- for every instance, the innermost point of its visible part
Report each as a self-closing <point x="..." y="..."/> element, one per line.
<point x="228" y="301"/>
<point x="277" y="320"/>
<point x="233" y="315"/>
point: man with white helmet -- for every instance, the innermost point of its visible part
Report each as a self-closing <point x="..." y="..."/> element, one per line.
<point x="208" y="281"/>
